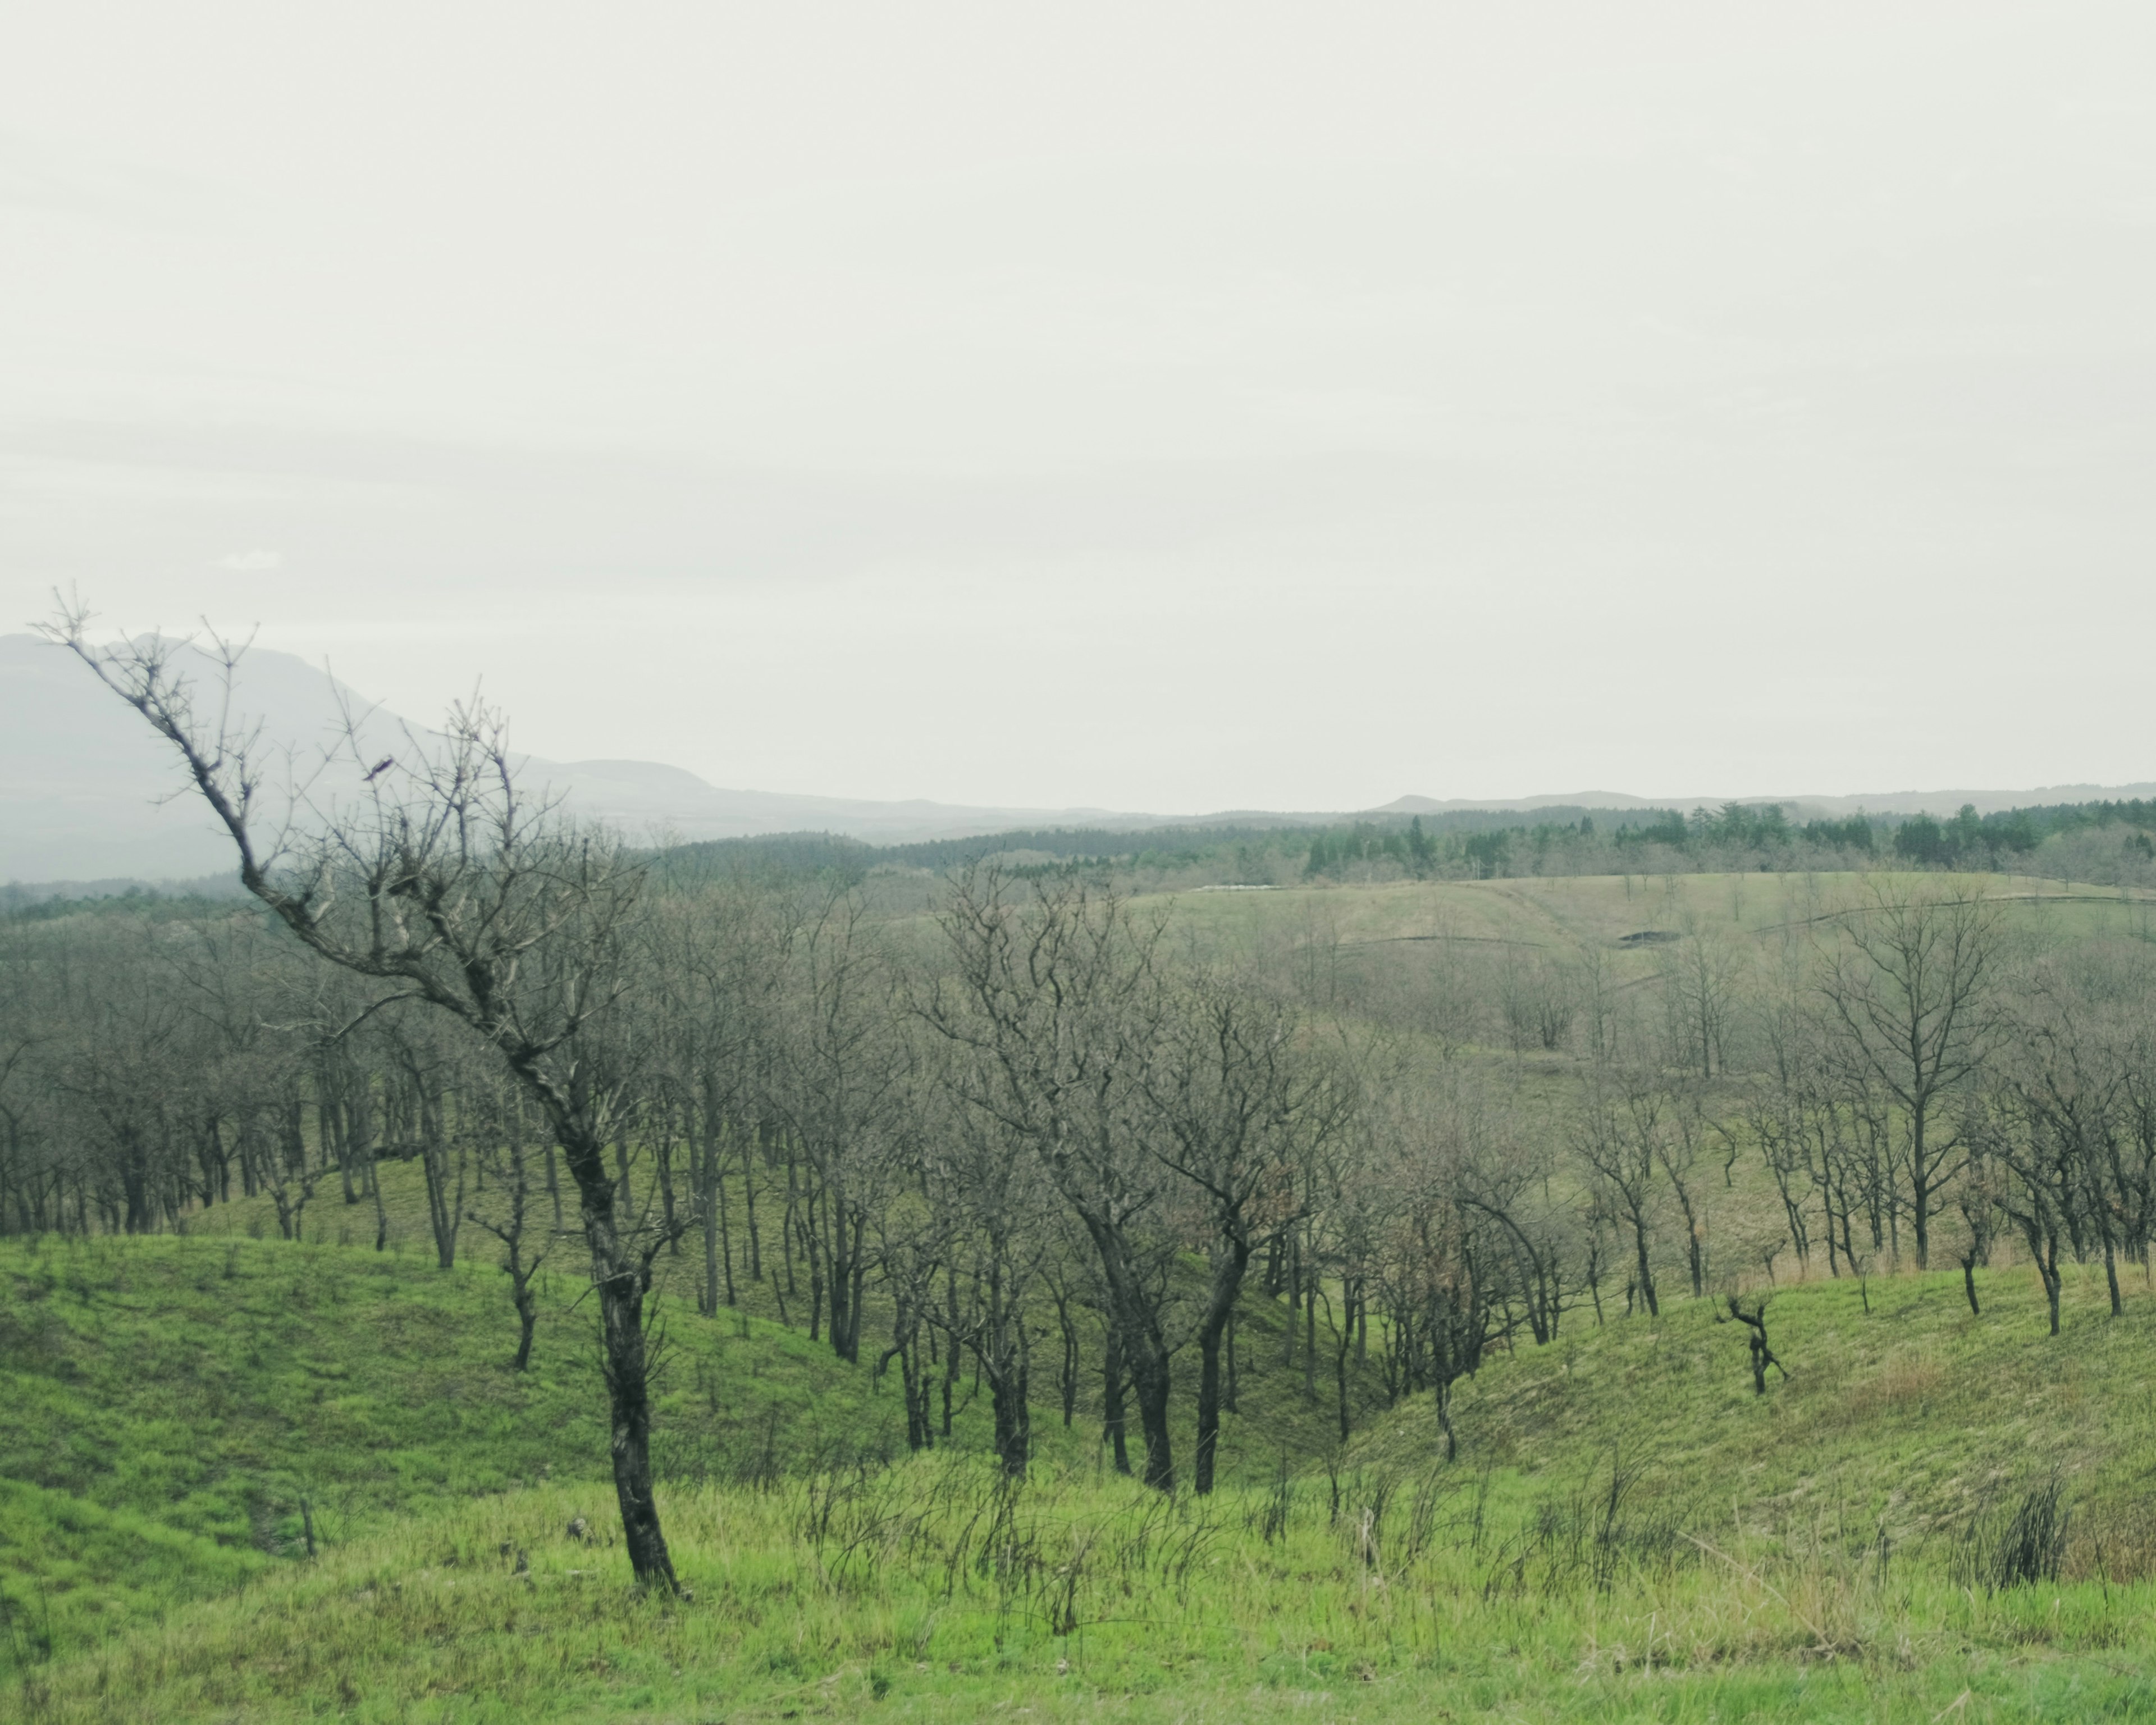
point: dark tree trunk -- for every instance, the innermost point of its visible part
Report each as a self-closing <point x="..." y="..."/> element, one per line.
<point x="1231" y="1261"/>
<point x="812" y="1244"/>
<point x="1646" y="1276"/>
<point x="1007" y="1398"/>
<point x="1340" y="1372"/>
<point x="664" y="1155"/>
<point x="1920" y="1189"/>
<point x="704" y="1171"/>
<point x="749" y="1204"/>
<point x="527" y="1318"/>
<point x="621" y="1318"/>
<point x="1310" y="1337"/>
<point x="1150" y="1384"/>
<point x="1113" y="1423"/>
<point x="1293" y="1281"/>
<point x="722" y="1222"/>
<point x="620" y="1280"/>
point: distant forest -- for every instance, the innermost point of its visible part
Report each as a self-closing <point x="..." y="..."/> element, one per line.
<point x="2102" y="841"/>
<point x="2107" y="843"/>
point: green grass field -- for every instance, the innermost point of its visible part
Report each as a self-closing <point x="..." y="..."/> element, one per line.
<point x="1815" y="1553"/>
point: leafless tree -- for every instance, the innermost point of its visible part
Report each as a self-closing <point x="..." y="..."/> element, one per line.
<point x="717" y="948"/>
<point x="989" y="1190"/>
<point x="1056" y="996"/>
<point x="1430" y="1286"/>
<point x="1753" y="1318"/>
<point x="436" y="876"/>
<point x="1619" y="1135"/>
<point x="1237" y="1101"/>
<point x="511" y="1194"/>
<point x="843" y="1083"/>
<point x="1911" y="995"/>
<point x="2065" y="1123"/>
<point x="1677" y="1148"/>
<point x="1702" y="982"/>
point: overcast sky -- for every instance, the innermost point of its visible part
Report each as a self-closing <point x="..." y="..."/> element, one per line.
<point x="1170" y="407"/>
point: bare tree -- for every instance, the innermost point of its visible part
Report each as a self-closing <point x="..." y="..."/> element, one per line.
<point x="2064" y="1109"/>
<point x="1754" y="1320"/>
<point x="126" y="1059"/>
<point x="511" y="1192"/>
<point x="1619" y="1137"/>
<point x="23" y="1173"/>
<point x="1430" y="1285"/>
<point x="422" y="1098"/>
<point x="1237" y="1103"/>
<point x="434" y="874"/>
<point x="1678" y="1148"/>
<point x="716" y="949"/>
<point x="1701" y="982"/>
<point x="1057" y="1000"/>
<point x="990" y="1191"/>
<point x="1981" y="1199"/>
<point x="843" y="1084"/>
<point x="913" y="1233"/>
<point x="1912" y="996"/>
<point x="2044" y="1195"/>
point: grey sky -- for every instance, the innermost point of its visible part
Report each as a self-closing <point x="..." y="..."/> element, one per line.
<point x="1171" y="407"/>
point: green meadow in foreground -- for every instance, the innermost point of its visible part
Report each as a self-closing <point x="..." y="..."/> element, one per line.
<point x="1935" y="1515"/>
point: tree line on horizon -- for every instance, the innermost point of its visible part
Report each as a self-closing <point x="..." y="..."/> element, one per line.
<point x="2108" y="842"/>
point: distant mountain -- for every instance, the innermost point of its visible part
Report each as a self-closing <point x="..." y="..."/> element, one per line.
<point x="643" y="796"/>
<point x="1524" y="805"/>
<point x="88" y="794"/>
<point x="1952" y="802"/>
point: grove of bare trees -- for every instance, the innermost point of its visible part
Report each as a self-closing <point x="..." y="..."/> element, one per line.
<point x="1042" y="1135"/>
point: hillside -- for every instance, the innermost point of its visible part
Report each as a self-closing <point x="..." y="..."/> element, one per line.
<point x="181" y="1410"/>
<point x="186" y="1414"/>
<point x="1629" y="1532"/>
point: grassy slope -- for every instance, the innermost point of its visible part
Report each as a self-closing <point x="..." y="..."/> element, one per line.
<point x="174" y="1402"/>
<point x="1389" y="944"/>
<point x="1903" y="1421"/>
<point x="1745" y="1575"/>
<point x="1272" y="1401"/>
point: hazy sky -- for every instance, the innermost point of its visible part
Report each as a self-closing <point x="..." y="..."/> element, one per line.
<point x="1161" y="406"/>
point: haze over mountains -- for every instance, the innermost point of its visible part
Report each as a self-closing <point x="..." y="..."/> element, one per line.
<point x="87" y="794"/>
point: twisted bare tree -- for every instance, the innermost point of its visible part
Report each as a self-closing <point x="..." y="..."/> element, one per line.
<point x="432" y="873"/>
